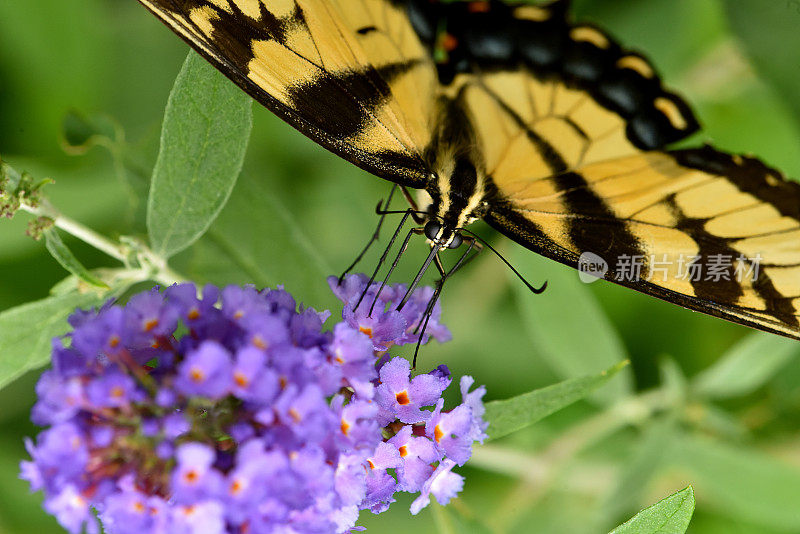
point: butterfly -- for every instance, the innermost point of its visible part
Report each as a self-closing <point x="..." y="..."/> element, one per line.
<point x="548" y="130"/>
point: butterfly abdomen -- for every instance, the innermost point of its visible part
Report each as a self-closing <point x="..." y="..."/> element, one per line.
<point x="458" y="180"/>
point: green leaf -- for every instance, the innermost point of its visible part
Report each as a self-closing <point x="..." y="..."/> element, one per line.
<point x="740" y="482"/>
<point x="64" y="256"/>
<point x="26" y="331"/>
<point x="774" y="52"/>
<point x="567" y="326"/>
<point x="670" y="515"/>
<point x="509" y="415"/>
<point x="746" y="367"/>
<point x="204" y="137"/>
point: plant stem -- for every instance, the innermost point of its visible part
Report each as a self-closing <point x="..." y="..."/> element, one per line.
<point x="149" y="264"/>
<point x="72" y="227"/>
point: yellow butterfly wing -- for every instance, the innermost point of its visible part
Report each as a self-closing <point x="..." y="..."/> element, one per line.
<point x="700" y="228"/>
<point x="350" y="74"/>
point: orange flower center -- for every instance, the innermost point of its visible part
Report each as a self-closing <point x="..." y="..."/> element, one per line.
<point x="449" y="42"/>
<point x="366" y="330"/>
<point x="478" y="7"/>
<point x="241" y="380"/>
<point x="259" y="342"/>
<point x="402" y="398"/>
<point x="197" y="375"/>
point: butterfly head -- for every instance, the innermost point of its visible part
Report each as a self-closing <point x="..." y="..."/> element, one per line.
<point x="442" y="235"/>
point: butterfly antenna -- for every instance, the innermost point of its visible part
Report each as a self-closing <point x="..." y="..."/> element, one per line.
<point x="383" y="212"/>
<point x="534" y="290"/>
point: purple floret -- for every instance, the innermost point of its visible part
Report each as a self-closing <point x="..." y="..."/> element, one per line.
<point x="206" y="371"/>
<point x="236" y="411"/>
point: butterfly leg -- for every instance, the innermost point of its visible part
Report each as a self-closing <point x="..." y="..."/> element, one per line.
<point x="419" y="216"/>
<point x="439" y="266"/>
<point x="382" y="211"/>
<point x="402" y="250"/>
<point x="465" y="257"/>
<point x="434" y="253"/>
<point x="472" y="243"/>
<point x="419" y="219"/>
<point x="384" y="256"/>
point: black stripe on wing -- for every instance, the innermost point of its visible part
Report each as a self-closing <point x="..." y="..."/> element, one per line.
<point x="326" y="110"/>
<point x="516" y="227"/>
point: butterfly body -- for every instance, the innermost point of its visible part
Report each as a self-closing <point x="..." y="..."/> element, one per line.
<point x="550" y="131"/>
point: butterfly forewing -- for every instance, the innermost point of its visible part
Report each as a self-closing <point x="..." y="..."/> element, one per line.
<point x="351" y="75"/>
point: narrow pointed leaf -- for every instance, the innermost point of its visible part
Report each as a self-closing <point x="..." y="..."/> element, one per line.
<point x="65" y="257"/>
<point x="746" y="367"/>
<point x="509" y="415"/>
<point x="668" y="516"/>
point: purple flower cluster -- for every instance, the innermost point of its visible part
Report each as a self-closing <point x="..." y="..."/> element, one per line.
<point x="236" y="413"/>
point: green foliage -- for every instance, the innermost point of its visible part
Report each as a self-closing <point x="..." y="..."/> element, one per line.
<point x="26" y="331"/>
<point x="235" y="249"/>
<point x="203" y="142"/>
<point x="703" y="402"/>
<point x="567" y="326"/>
<point x="64" y="256"/>
<point x="773" y="60"/>
<point x="668" y="516"/>
<point x="511" y="415"/>
<point x="747" y="366"/>
<point x="740" y="482"/>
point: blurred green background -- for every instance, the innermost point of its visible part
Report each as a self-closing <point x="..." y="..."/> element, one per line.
<point x="298" y="213"/>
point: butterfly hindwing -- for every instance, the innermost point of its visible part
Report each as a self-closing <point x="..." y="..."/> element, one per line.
<point x="351" y="75"/>
<point x="709" y="231"/>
